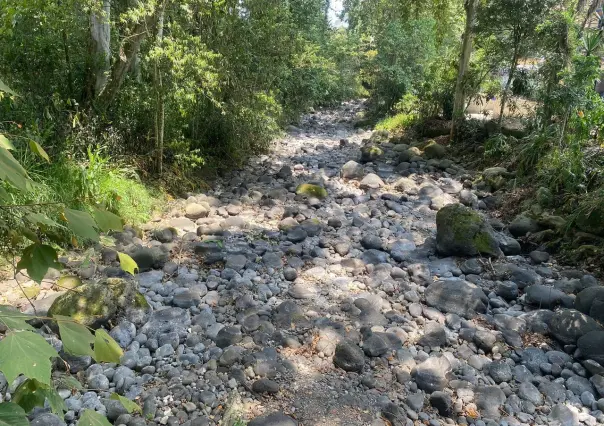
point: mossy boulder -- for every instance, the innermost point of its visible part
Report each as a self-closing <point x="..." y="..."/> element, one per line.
<point x="461" y="231"/>
<point x="370" y="153"/>
<point x="311" y="190"/>
<point x="68" y="282"/>
<point x="410" y="155"/>
<point x="94" y="304"/>
<point x="591" y="221"/>
<point x="434" y="150"/>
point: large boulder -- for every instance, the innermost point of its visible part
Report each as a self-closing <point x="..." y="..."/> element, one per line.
<point x="591" y="346"/>
<point x="434" y="150"/>
<point x="591" y="302"/>
<point x="568" y="325"/>
<point x="94" y="304"/>
<point x="522" y="225"/>
<point x="546" y="297"/>
<point x="461" y="231"/>
<point x="457" y="297"/>
<point x="370" y="153"/>
<point x="591" y="221"/>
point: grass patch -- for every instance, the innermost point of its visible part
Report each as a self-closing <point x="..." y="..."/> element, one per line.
<point x="397" y="122"/>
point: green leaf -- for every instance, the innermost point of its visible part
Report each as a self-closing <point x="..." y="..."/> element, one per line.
<point x="92" y="418"/>
<point x="31" y="393"/>
<point x="107" y="221"/>
<point x="11" y="171"/>
<point x="77" y="339"/>
<point x="57" y="405"/>
<point x="127" y="263"/>
<point x="105" y="348"/>
<point x="37" y="218"/>
<point x="27" y="353"/>
<point x="15" y="319"/>
<point x="81" y="224"/>
<point x="36" y="259"/>
<point x="130" y="406"/>
<point x="5" y="143"/>
<point x="67" y="382"/>
<point x="12" y="415"/>
<point x="37" y="148"/>
<point x="28" y="233"/>
<point x="5" y="88"/>
<point x="4" y="194"/>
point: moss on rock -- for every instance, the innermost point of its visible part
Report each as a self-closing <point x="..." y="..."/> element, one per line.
<point x="461" y="231"/>
<point x="311" y="190"/>
<point x="95" y="304"/>
<point x="434" y="150"/>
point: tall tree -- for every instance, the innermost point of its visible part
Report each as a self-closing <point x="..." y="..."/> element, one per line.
<point x="464" y="60"/>
<point x="100" y="30"/>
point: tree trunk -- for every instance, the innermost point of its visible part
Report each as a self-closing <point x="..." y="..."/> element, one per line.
<point x="160" y="107"/>
<point x="100" y="30"/>
<point x="464" y="61"/>
<point x="590" y="11"/>
<point x="506" y="90"/>
<point x="129" y="48"/>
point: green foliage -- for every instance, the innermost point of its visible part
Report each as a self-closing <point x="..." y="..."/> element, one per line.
<point x="127" y="263"/>
<point x="130" y="406"/>
<point x="105" y="348"/>
<point x="27" y="353"/>
<point x="397" y="122"/>
<point x="31" y="393"/>
<point x="76" y="338"/>
<point x="92" y="418"/>
<point x="12" y="415"/>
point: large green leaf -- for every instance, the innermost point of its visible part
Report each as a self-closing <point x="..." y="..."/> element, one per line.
<point x="36" y="259"/>
<point x="127" y="263"/>
<point x="27" y="353"/>
<point x="92" y="418"/>
<point x="12" y="415"/>
<point x="14" y="319"/>
<point x="37" y="148"/>
<point x="11" y="171"/>
<point x="5" y="88"/>
<point x="37" y="218"/>
<point x="105" y="348"/>
<point x="4" y="194"/>
<point x="31" y="393"/>
<point x="81" y="224"/>
<point x="129" y="405"/>
<point x="77" y="339"/>
<point x="5" y="143"/>
<point x="107" y="221"/>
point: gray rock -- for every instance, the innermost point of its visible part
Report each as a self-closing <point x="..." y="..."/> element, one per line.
<point x="554" y="391"/>
<point x="539" y="256"/>
<point x="591" y="346"/>
<point x="352" y="170"/>
<point x="348" y="356"/>
<point x="433" y="374"/>
<point x="46" y="419"/>
<point x="578" y="385"/>
<point x="532" y="358"/>
<point x="522" y="225"/>
<point x="374" y="257"/>
<point x="488" y="400"/>
<point x="590" y="301"/>
<point x="456" y="296"/>
<point x="265" y="386"/>
<point x="123" y="333"/>
<point x="529" y="392"/>
<point x="563" y="416"/>
<point x="442" y="402"/>
<point x="507" y="290"/>
<point x="114" y="408"/>
<point x="500" y="371"/>
<point x="371" y="181"/>
<point x="568" y="325"/>
<point x="228" y="336"/>
<point x="597" y="381"/>
<point x="544" y="297"/>
<point x="434" y="335"/>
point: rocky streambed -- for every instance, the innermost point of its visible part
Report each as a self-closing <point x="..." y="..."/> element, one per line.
<point x="344" y="279"/>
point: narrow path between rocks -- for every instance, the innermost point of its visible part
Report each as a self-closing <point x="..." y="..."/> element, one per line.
<point x="310" y="310"/>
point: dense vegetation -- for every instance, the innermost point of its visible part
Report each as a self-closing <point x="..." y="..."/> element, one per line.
<point x="107" y="105"/>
